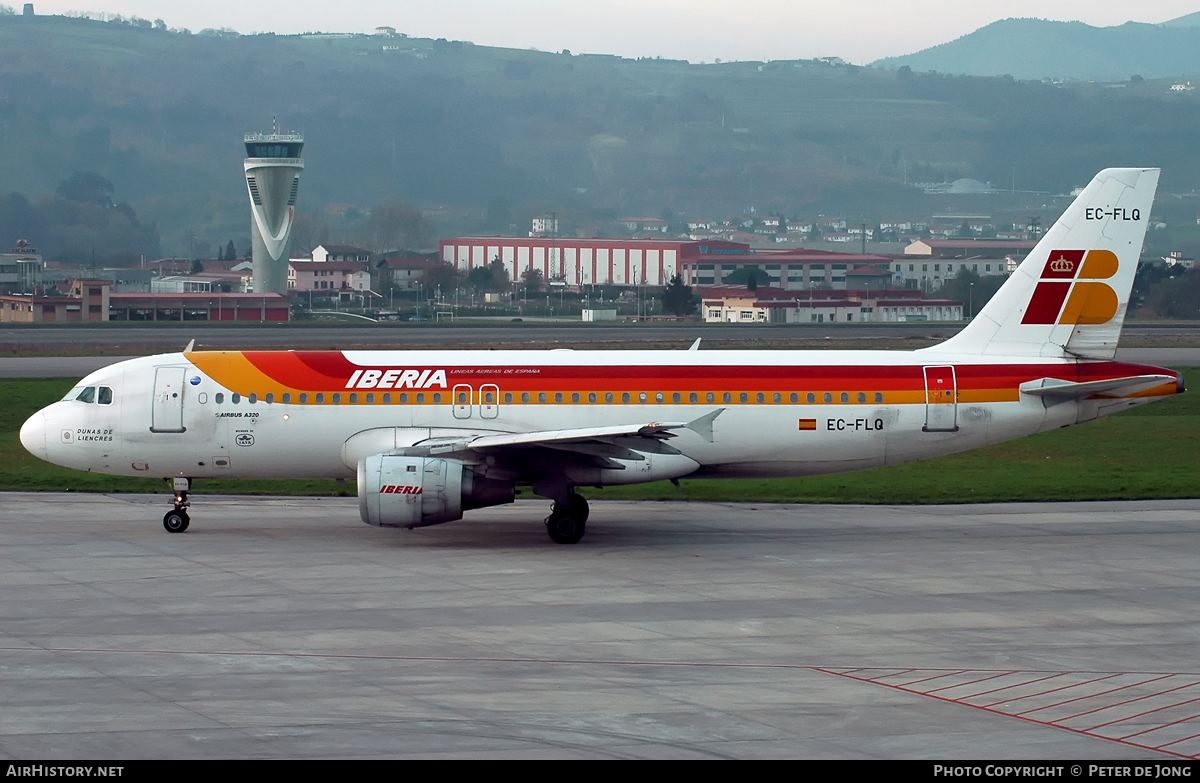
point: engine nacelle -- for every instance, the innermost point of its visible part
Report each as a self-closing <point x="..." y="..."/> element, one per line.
<point x="420" y="491"/>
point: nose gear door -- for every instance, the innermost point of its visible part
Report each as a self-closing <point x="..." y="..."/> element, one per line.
<point x="166" y="413"/>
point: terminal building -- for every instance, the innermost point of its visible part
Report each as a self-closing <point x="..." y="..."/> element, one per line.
<point x="580" y="262"/>
<point x="273" y="165"/>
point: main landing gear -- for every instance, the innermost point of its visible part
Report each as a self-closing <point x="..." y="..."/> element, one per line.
<point x="566" y="522"/>
<point x="176" y="520"/>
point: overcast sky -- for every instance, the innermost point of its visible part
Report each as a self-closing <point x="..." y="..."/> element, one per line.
<point x="697" y="30"/>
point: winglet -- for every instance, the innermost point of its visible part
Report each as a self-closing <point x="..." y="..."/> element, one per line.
<point x="703" y="426"/>
<point x="695" y="345"/>
<point x="190" y="346"/>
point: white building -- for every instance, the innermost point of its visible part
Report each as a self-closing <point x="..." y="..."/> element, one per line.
<point x="273" y="165"/>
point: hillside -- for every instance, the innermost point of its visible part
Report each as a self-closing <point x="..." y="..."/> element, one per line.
<point x="1039" y="48"/>
<point x="492" y="136"/>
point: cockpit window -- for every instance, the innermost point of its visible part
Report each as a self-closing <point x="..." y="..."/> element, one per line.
<point x="73" y="393"/>
<point x="104" y="397"/>
<point x="87" y="395"/>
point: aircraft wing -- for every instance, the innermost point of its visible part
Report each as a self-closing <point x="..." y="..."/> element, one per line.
<point x="557" y="438"/>
<point x="1114" y="387"/>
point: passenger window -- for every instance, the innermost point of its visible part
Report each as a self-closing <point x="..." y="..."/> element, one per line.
<point x="659" y="397"/>
<point x="794" y="398"/>
<point x="88" y="394"/>
<point x="105" y="396"/>
<point x="489" y="398"/>
<point x="710" y="397"/>
<point x="642" y="396"/>
<point x="337" y="398"/>
<point x="303" y="398"/>
<point x="608" y="396"/>
<point x="811" y="397"/>
<point x="462" y="398"/>
<point x="235" y="398"/>
<point x="878" y="396"/>
<point x="437" y="398"/>
<point x="404" y="398"/>
<point x="387" y="398"/>
<point x="420" y="398"/>
<point x="862" y="397"/>
<point x="743" y="397"/>
<point x="676" y="397"/>
<point x="827" y="397"/>
<point x="287" y="398"/>
<point x="270" y="398"/>
<point x="574" y="396"/>
<point x="370" y="397"/>
<point x="558" y="396"/>
<point x="591" y="396"/>
<point x="253" y="398"/>
<point x="320" y="398"/>
<point x="220" y="398"/>
<point x="693" y="397"/>
<point x="776" y="397"/>
<point x="845" y="397"/>
<point x="541" y="396"/>
<point x="507" y="397"/>
<point x="524" y="396"/>
<point x="727" y="397"/>
<point x="625" y="397"/>
<point x="760" y="398"/>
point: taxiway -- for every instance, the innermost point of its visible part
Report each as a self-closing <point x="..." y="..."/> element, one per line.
<point x="285" y="628"/>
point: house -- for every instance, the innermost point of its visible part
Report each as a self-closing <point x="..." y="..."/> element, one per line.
<point x="328" y="277"/>
<point x="328" y="253"/>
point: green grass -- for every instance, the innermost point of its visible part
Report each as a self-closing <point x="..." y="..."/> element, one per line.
<point x="1149" y="452"/>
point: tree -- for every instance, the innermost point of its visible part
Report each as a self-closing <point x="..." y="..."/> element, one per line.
<point x="480" y="279"/>
<point x="532" y="281"/>
<point x="500" y="282"/>
<point x="86" y="187"/>
<point x="678" y="298"/>
<point x="198" y="266"/>
<point x="748" y="276"/>
<point x="230" y="252"/>
<point x="441" y="275"/>
<point x="220" y="254"/>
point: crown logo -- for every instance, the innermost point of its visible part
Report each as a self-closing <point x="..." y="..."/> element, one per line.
<point x="1062" y="264"/>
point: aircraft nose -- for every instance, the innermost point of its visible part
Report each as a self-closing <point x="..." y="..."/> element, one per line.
<point x="33" y="435"/>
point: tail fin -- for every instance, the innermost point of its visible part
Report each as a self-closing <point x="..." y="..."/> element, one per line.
<point x="1069" y="296"/>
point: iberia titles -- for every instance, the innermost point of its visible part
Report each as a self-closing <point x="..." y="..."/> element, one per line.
<point x="397" y="379"/>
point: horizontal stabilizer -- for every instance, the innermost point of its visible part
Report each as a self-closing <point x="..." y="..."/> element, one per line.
<point x="1114" y="387"/>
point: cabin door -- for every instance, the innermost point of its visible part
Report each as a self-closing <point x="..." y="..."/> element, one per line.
<point x="489" y="401"/>
<point x="941" y="400"/>
<point x="166" y="415"/>
<point x="462" y="401"/>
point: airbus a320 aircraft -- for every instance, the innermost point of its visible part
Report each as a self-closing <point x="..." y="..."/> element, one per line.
<point x="431" y="434"/>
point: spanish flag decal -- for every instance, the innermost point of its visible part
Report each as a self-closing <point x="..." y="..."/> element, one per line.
<point x="808" y="424"/>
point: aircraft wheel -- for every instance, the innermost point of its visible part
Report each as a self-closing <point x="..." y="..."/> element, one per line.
<point x="563" y="529"/>
<point x="577" y="507"/>
<point x="176" y="521"/>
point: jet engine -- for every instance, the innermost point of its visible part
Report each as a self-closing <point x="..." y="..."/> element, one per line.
<point x="410" y="492"/>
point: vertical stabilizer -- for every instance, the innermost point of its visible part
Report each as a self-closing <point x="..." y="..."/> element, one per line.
<point x="1069" y="296"/>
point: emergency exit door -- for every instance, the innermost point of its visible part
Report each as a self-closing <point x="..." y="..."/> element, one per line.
<point x="941" y="400"/>
<point x="462" y="401"/>
<point x="166" y="413"/>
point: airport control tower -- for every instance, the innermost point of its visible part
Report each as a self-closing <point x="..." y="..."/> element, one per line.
<point x="273" y="166"/>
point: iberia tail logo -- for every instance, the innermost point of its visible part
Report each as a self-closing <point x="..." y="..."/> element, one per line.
<point x="1069" y="292"/>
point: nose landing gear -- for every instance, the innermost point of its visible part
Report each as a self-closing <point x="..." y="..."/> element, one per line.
<point x="176" y="520"/>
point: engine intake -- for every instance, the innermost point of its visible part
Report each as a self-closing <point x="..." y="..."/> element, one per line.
<point x="413" y="492"/>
